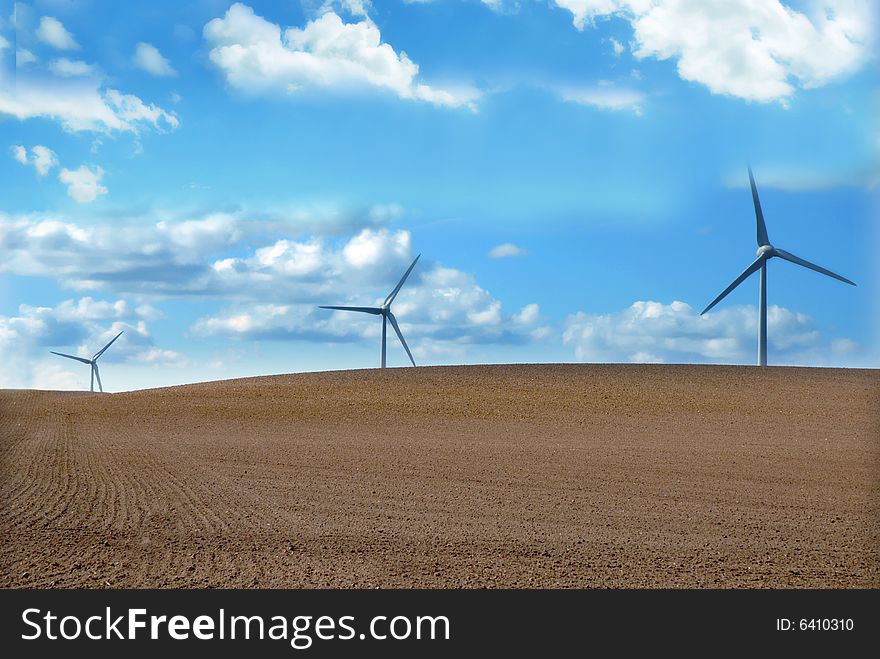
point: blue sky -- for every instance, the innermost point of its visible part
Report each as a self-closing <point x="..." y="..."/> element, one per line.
<point x="573" y="172"/>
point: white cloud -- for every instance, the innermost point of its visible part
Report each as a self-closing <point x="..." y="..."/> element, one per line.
<point x="353" y="7"/>
<point x="159" y="356"/>
<point x="80" y="105"/>
<point x="617" y="46"/>
<point x="20" y="154"/>
<point x="448" y="305"/>
<point x="148" y="58"/>
<point x="327" y="53"/>
<point x="384" y="213"/>
<point x="51" y="376"/>
<point x="247" y="264"/>
<point x="131" y="110"/>
<point x="437" y="307"/>
<point x="52" y="32"/>
<point x="759" y="51"/>
<point x="89" y="309"/>
<point x="66" y="68"/>
<point x="310" y="268"/>
<point x="505" y="250"/>
<point x="528" y="315"/>
<point x="370" y="248"/>
<point x="23" y="57"/>
<point x="214" y="254"/>
<point x="490" y="315"/>
<point x="272" y="321"/>
<point x="42" y="158"/>
<point x="606" y="96"/>
<point x="441" y="304"/>
<point x="83" y="183"/>
<point x="656" y="332"/>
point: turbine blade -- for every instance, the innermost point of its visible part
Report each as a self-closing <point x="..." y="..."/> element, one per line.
<point x="759" y="214"/>
<point x="393" y="294"/>
<point x="98" y="375"/>
<point x="400" y="336"/>
<point x="788" y="256"/>
<point x="754" y="267"/>
<point x="79" y="359"/>
<point x="373" y="310"/>
<point x="101" y="351"/>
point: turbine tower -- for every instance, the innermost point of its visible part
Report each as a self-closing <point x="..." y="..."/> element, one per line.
<point x="385" y="312"/>
<point x="93" y="362"/>
<point x="766" y="251"/>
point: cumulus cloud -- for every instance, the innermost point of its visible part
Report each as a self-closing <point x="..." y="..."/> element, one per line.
<point x="219" y="254"/>
<point x="370" y="248"/>
<point x="42" y="158"/>
<point x="255" y="56"/>
<point x="52" y="32"/>
<point x="148" y="58"/>
<point x="505" y="250"/>
<point x="276" y="322"/>
<point x="272" y="284"/>
<point x="759" y="51"/>
<point x="77" y="327"/>
<point x="83" y="184"/>
<point x="438" y="305"/>
<point x="169" y="256"/>
<point x="310" y="268"/>
<point x="657" y="332"/>
<point x="528" y="315"/>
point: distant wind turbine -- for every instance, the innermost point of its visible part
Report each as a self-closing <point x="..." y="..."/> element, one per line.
<point x="766" y="251"/>
<point x="385" y="312"/>
<point x="93" y="362"/>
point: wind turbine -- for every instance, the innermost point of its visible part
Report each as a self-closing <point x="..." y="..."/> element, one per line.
<point x="385" y="312"/>
<point x="766" y="251"/>
<point x="93" y="362"/>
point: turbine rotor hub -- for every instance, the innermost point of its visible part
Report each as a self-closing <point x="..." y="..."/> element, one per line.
<point x="765" y="250"/>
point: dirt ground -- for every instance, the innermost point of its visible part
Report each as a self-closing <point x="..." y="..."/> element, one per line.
<point x="584" y="476"/>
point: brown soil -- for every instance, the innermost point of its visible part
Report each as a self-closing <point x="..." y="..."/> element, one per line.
<point x="498" y="476"/>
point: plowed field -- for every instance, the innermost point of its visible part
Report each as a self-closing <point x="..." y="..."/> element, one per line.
<point x="498" y="476"/>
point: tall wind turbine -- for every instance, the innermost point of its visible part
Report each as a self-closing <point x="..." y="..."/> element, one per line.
<point x="385" y="312"/>
<point x="766" y="251"/>
<point x="93" y="362"/>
